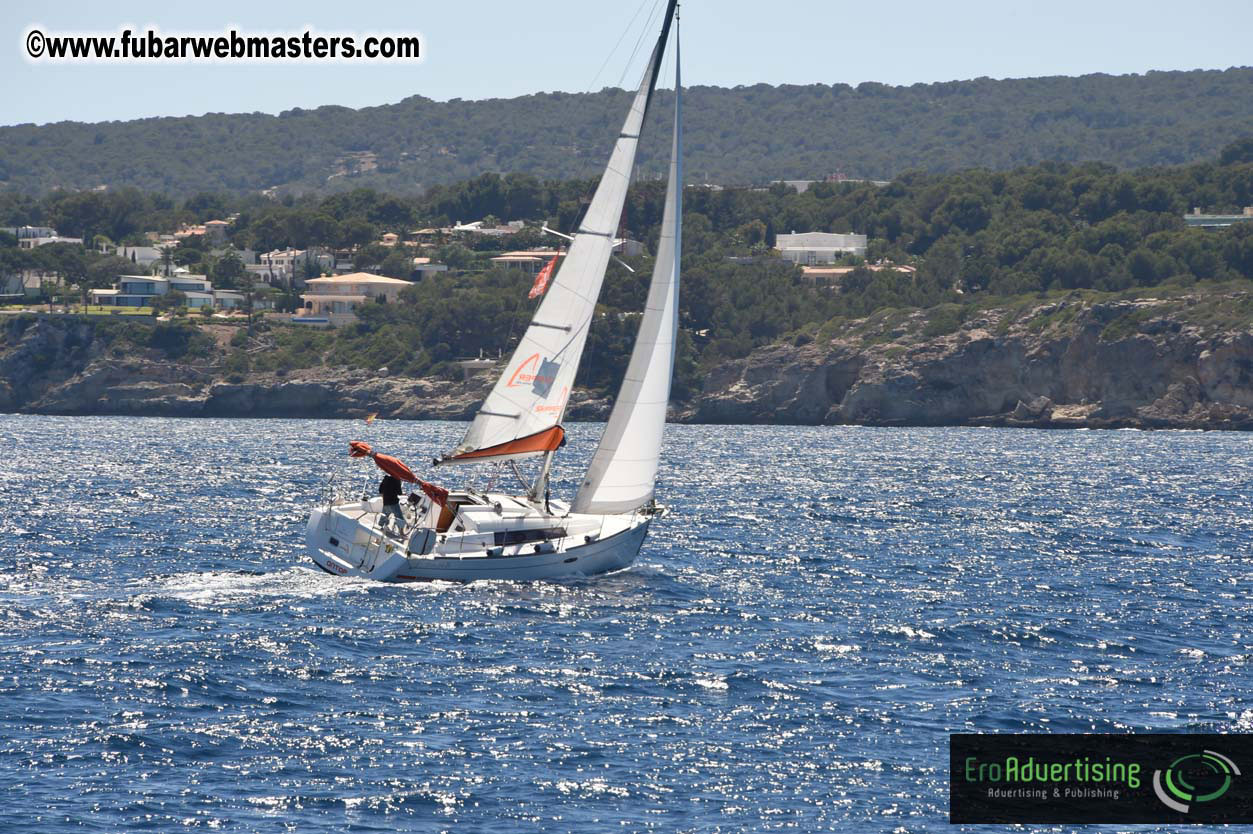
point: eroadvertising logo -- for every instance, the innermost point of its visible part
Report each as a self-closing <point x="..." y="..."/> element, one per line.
<point x="1071" y="778"/>
<point x="1212" y="770"/>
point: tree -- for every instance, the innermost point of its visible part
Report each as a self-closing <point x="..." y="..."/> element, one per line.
<point x="356" y="232"/>
<point x="103" y="273"/>
<point x="370" y="256"/>
<point x="228" y="271"/>
<point x="399" y="264"/>
<point x="169" y="301"/>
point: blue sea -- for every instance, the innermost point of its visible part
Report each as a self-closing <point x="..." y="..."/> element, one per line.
<point x="822" y="607"/>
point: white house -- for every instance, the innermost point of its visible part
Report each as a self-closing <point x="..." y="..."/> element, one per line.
<point x="286" y="267"/>
<point x="197" y="289"/>
<point x="34" y="242"/>
<point x="810" y="248"/>
<point x="143" y="290"/>
<point x="132" y="291"/>
<point x="477" y="227"/>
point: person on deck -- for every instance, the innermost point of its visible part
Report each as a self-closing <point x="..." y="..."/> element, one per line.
<point x="390" y="489"/>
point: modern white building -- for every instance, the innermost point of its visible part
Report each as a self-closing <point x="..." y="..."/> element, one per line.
<point x="132" y="291"/>
<point x="812" y="248"/>
<point x="143" y="290"/>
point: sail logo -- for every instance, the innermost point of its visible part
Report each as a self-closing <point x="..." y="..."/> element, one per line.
<point x="537" y="373"/>
<point x="554" y="409"/>
<point x="1196" y="777"/>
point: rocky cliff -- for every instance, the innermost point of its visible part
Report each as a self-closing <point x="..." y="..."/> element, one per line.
<point x="1181" y="359"/>
<point x="54" y="364"/>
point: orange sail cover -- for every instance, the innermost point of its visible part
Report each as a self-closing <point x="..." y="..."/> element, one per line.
<point x="389" y="464"/>
<point x="542" y="441"/>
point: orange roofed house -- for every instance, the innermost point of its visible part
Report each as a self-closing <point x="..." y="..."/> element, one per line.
<point x="334" y="300"/>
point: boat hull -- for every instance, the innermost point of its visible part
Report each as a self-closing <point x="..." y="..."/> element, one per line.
<point x="387" y="560"/>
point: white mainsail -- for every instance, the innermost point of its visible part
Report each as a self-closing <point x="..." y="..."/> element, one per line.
<point x="623" y="472"/>
<point x="521" y="416"/>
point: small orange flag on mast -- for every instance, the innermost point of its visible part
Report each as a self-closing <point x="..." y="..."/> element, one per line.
<point x="541" y="280"/>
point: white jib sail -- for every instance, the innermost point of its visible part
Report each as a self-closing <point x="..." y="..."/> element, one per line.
<point x="623" y="472"/>
<point x="518" y="417"/>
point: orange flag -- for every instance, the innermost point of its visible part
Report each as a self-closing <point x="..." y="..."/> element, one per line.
<point x="541" y="280"/>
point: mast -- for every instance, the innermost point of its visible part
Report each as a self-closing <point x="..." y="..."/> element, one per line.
<point x="623" y="472"/>
<point x="521" y="417"/>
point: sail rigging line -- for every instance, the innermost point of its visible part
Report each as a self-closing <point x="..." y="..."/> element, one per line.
<point x="648" y="25"/>
<point x="626" y="67"/>
<point x="621" y="36"/>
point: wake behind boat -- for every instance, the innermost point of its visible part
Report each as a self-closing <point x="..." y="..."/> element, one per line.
<point x="467" y="535"/>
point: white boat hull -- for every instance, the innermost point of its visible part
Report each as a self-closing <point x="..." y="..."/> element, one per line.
<point x="346" y="540"/>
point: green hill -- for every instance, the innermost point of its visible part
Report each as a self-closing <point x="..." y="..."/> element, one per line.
<point x="733" y="136"/>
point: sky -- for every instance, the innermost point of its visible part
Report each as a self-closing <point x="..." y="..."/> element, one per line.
<point x="497" y="49"/>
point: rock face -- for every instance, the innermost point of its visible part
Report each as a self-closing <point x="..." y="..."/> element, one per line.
<point x="53" y="366"/>
<point x="1069" y="363"/>
<point x="1182" y="361"/>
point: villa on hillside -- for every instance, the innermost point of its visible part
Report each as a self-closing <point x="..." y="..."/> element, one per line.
<point x="35" y="241"/>
<point x="832" y="275"/>
<point x="288" y="267"/>
<point x="333" y="300"/>
<point x="1217" y="221"/>
<point x="478" y="228"/>
<point x="28" y="232"/>
<point x="530" y="261"/>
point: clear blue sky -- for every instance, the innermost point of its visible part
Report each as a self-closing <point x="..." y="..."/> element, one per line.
<point x="490" y="49"/>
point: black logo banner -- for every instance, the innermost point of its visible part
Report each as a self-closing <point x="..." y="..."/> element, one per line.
<point x="1058" y="778"/>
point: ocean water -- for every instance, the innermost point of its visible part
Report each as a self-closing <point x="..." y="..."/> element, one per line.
<point x="793" y="647"/>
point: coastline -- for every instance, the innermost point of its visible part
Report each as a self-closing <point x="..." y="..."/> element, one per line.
<point x="1165" y="359"/>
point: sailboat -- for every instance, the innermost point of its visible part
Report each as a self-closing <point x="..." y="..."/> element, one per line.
<point x="467" y="535"/>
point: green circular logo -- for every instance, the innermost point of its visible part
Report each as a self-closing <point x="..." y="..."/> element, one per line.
<point x="1196" y="777"/>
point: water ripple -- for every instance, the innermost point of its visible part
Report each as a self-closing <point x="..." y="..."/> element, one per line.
<point x="796" y="642"/>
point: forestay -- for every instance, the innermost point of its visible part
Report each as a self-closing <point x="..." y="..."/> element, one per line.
<point x="623" y="472"/>
<point x="521" y="416"/>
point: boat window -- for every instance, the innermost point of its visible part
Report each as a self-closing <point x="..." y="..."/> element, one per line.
<point x="508" y="537"/>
